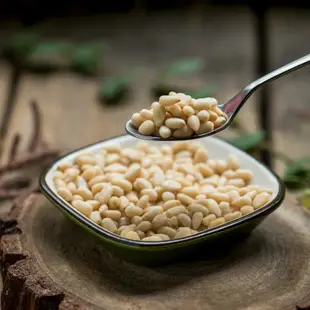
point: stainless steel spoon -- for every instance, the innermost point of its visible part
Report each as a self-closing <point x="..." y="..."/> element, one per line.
<point x="232" y="107"/>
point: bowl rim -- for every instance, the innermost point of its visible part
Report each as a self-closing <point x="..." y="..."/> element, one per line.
<point x="95" y="228"/>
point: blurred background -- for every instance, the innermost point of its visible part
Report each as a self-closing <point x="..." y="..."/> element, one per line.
<point x="91" y="64"/>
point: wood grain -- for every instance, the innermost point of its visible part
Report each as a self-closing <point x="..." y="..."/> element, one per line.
<point x="54" y="263"/>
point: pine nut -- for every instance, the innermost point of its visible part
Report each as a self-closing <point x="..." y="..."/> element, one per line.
<point x="105" y="194"/>
<point x="64" y="193"/>
<point x="145" y="226"/>
<point x="246" y="210"/>
<point x="151" y="193"/>
<point x="95" y="217"/>
<point x="166" y="196"/>
<point x="183" y="232"/>
<point x="147" y="128"/>
<point x="208" y="219"/>
<point x="188" y="111"/>
<point x="165" y="132"/>
<point x="244" y="174"/>
<point x="175" y="110"/>
<point x="203" y="116"/>
<point x="220" y="121"/>
<point x="197" y="207"/>
<point x="184" y="199"/>
<point x="85" y="193"/>
<point x="159" y="114"/>
<point x="184" y="132"/>
<point x="152" y="238"/>
<point x="232" y="216"/>
<point x="217" y="222"/>
<point x="197" y="220"/>
<point x="168" y="101"/>
<point x="174" y="211"/>
<point x="133" y="210"/>
<point x="175" y="123"/>
<point x="109" y="225"/>
<point x="94" y="203"/>
<point x="193" y="122"/>
<point x="184" y="220"/>
<point x="205" y="127"/>
<point x="143" y="202"/>
<point x="132" y="235"/>
<point x="233" y="162"/>
<point x="146" y="114"/>
<point x="166" y="230"/>
<point x="124" y="184"/>
<point x="83" y="207"/>
<point x="137" y="120"/>
<point x="260" y="200"/>
<point x="171" y="186"/>
<point x="241" y="202"/>
<point x="159" y="220"/>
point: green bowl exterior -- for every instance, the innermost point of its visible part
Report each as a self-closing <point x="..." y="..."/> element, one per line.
<point x="164" y="252"/>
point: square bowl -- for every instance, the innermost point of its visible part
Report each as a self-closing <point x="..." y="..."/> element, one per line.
<point x="158" y="253"/>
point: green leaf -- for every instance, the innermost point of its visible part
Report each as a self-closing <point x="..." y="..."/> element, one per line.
<point x="248" y="142"/>
<point x="299" y="167"/>
<point x="294" y="182"/>
<point x="87" y="58"/>
<point x="305" y="198"/>
<point x="50" y="55"/>
<point x="202" y="92"/>
<point x="184" y="66"/>
<point x="20" y="44"/>
<point x="113" y="89"/>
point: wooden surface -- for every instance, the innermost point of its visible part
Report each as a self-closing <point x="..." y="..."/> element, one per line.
<point x="57" y="259"/>
<point x="54" y="262"/>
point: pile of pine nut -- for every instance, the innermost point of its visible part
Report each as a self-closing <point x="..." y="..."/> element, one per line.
<point x="179" y="116"/>
<point x="155" y="193"/>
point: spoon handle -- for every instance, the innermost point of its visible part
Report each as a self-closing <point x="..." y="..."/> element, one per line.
<point x="238" y="101"/>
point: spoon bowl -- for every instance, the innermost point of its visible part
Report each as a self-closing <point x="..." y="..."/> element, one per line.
<point x="233" y="106"/>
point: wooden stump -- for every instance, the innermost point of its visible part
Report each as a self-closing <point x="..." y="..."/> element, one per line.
<point x="51" y="263"/>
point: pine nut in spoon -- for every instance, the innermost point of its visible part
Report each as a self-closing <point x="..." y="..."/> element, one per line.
<point x="210" y="119"/>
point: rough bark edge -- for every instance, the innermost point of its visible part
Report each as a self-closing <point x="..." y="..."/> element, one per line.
<point x="25" y="287"/>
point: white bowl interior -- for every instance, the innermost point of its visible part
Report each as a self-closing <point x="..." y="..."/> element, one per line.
<point x="217" y="149"/>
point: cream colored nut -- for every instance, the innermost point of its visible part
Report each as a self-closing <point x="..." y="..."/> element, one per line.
<point x="174" y="211"/>
<point x="213" y="181"/>
<point x="246" y="210"/>
<point x="205" y="127"/>
<point x="141" y="184"/>
<point x="170" y="204"/>
<point x="197" y="220"/>
<point x="165" y="132"/>
<point x="112" y="176"/>
<point x="184" y="132"/>
<point x="159" y="220"/>
<point x="95" y="217"/>
<point x="219" y="197"/>
<point x="212" y="163"/>
<point x="124" y="230"/>
<point x="158" y="177"/>
<point x="103" y="208"/>
<point x="147" y="128"/>
<point x="233" y="162"/>
<point x="112" y="214"/>
<point x="171" y="186"/>
<point x="117" y="191"/>
<point x="133" y="210"/>
<point x="213" y="207"/>
<point x="132" y="235"/>
<point x="233" y="195"/>
<point x="64" y="166"/>
<point x="112" y="148"/>
<point x="145" y="226"/>
<point x="166" y="150"/>
<point x="193" y="122"/>
<point x="201" y="104"/>
<point x="208" y="219"/>
<point x="85" y="193"/>
<point x="163" y="237"/>
<point x="137" y="120"/>
<point x="217" y="222"/>
<point x="184" y="220"/>
<point x="220" y="121"/>
<point x="89" y="173"/>
<point x="97" y="179"/>
<point x="188" y="110"/>
<point x="183" y="232"/>
<point x="109" y="225"/>
<point x="150" y="233"/>
<point x="220" y="166"/>
<point x="198" y="207"/>
<point x="105" y="194"/>
<point x="83" y="207"/>
<point x="225" y="207"/>
<point x="124" y="184"/>
<point x="60" y="183"/>
<point x="112" y="159"/>
<point x="151" y="193"/>
<point x="175" y="123"/>
<point x="190" y="191"/>
<point x="201" y="155"/>
<point x="136" y="220"/>
<point x="144" y="174"/>
<point x="151" y="212"/>
<point x="159" y="114"/>
<point x="152" y="238"/>
<point x="94" y="203"/>
<point x="173" y="222"/>
<point x="114" y="203"/>
<point x="260" y="200"/>
<point x="146" y="114"/>
<point x="85" y="159"/>
<point x="116" y="167"/>
<point x="124" y="202"/>
<point x="133" y="172"/>
<point x="184" y="199"/>
<point x="205" y="170"/>
<point x="143" y="202"/>
<point x="202" y="196"/>
<point x="168" y="101"/>
<point x="251" y="194"/>
<point x="58" y="175"/>
<point x="242" y="201"/>
<point x="71" y="174"/>
<point x="132" y="197"/>
<point x="175" y="110"/>
<point x="72" y="188"/>
<point x="213" y="116"/>
<point x="141" y="234"/>
<point x="203" y="116"/>
<point x="229" y="174"/>
<point x="98" y="188"/>
<point x="222" y="181"/>
<point x="65" y="193"/>
<point x="166" y="196"/>
<point x="166" y="230"/>
<point x="244" y="174"/>
<point x="226" y="188"/>
<point x="77" y="197"/>
<point x="232" y="216"/>
<point x="238" y="182"/>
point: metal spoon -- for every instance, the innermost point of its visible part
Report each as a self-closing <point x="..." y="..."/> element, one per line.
<point x="232" y="107"/>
